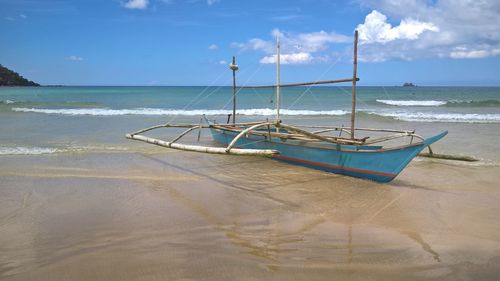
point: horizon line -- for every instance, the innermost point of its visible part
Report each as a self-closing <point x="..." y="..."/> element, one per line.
<point x="416" y="86"/>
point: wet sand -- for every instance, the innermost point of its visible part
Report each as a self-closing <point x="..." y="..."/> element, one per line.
<point x="187" y="216"/>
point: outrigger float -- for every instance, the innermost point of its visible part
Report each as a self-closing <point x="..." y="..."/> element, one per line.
<point x="311" y="146"/>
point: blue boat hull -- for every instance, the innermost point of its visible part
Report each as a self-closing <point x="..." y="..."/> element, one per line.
<point x="367" y="162"/>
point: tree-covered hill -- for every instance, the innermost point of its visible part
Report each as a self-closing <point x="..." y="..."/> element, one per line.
<point x="11" y="78"/>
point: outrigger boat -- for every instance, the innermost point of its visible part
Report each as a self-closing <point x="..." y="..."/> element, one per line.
<point x="311" y="146"/>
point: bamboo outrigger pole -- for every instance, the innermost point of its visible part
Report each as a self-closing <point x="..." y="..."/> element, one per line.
<point x="299" y="84"/>
<point x="234" y="67"/>
<point x="354" y="79"/>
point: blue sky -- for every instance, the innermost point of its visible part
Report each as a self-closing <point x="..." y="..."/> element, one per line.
<point x="190" y="42"/>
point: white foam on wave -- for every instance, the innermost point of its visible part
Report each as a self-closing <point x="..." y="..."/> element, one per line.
<point x="158" y="111"/>
<point x="8" y="101"/>
<point x="401" y="115"/>
<point x="271" y="112"/>
<point x="21" y="150"/>
<point x="442" y="117"/>
<point x="413" y="102"/>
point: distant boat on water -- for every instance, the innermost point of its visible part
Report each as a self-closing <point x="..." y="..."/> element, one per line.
<point x="407" y="84"/>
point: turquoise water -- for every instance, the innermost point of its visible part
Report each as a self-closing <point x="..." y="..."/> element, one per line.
<point x="424" y="104"/>
<point x="52" y="119"/>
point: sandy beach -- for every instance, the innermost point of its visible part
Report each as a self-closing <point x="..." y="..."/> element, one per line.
<point x="316" y="140"/>
<point x="188" y="216"/>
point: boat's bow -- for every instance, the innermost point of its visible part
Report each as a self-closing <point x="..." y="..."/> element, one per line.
<point x="434" y="139"/>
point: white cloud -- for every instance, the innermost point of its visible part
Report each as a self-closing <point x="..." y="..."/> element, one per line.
<point x="211" y="2"/>
<point x="74" y="58"/>
<point x="295" y="47"/>
<point x="256" y="44"/>
<point x="376" y="29"/>
<point x="464" y="53"/>
<point x="475" y="54"/>
<point x="316" y="41"/>
<point x="402" y="30"/>
<point x="213" y="47"/>
<point x="295" y="58"/>
<point x="136" y="4"/>
<point x="458" y="29"/>
<point x="21" y="16"/>
<point x="222" y="62"/>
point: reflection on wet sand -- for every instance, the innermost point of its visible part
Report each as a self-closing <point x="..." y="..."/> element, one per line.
<point x="151" y="217"/>
<point x="272" y="242"/>
<point x="425" y="246"/>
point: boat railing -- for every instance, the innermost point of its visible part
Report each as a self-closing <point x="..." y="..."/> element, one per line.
<point x="396" y="133"/>
<point x="274" y="130"/>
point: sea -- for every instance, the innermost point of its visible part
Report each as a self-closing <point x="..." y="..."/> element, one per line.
<point x="52" y="120"/>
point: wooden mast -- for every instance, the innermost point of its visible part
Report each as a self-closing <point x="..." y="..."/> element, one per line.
<point x="354" y="79"/>
<point x="278" y="79"/>
<point x="234" y="67"/>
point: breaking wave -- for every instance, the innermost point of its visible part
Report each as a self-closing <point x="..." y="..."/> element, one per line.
<point x="413" y="102"/>
<point x="442" y="117"/>
<point x="473" y="103"/>
<point x="398" y="115"/>
<point x="7" y="101"/>
<point x="450" y="103"/>
<point x="158" y="111"/>
<point x="21" y="150"/>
